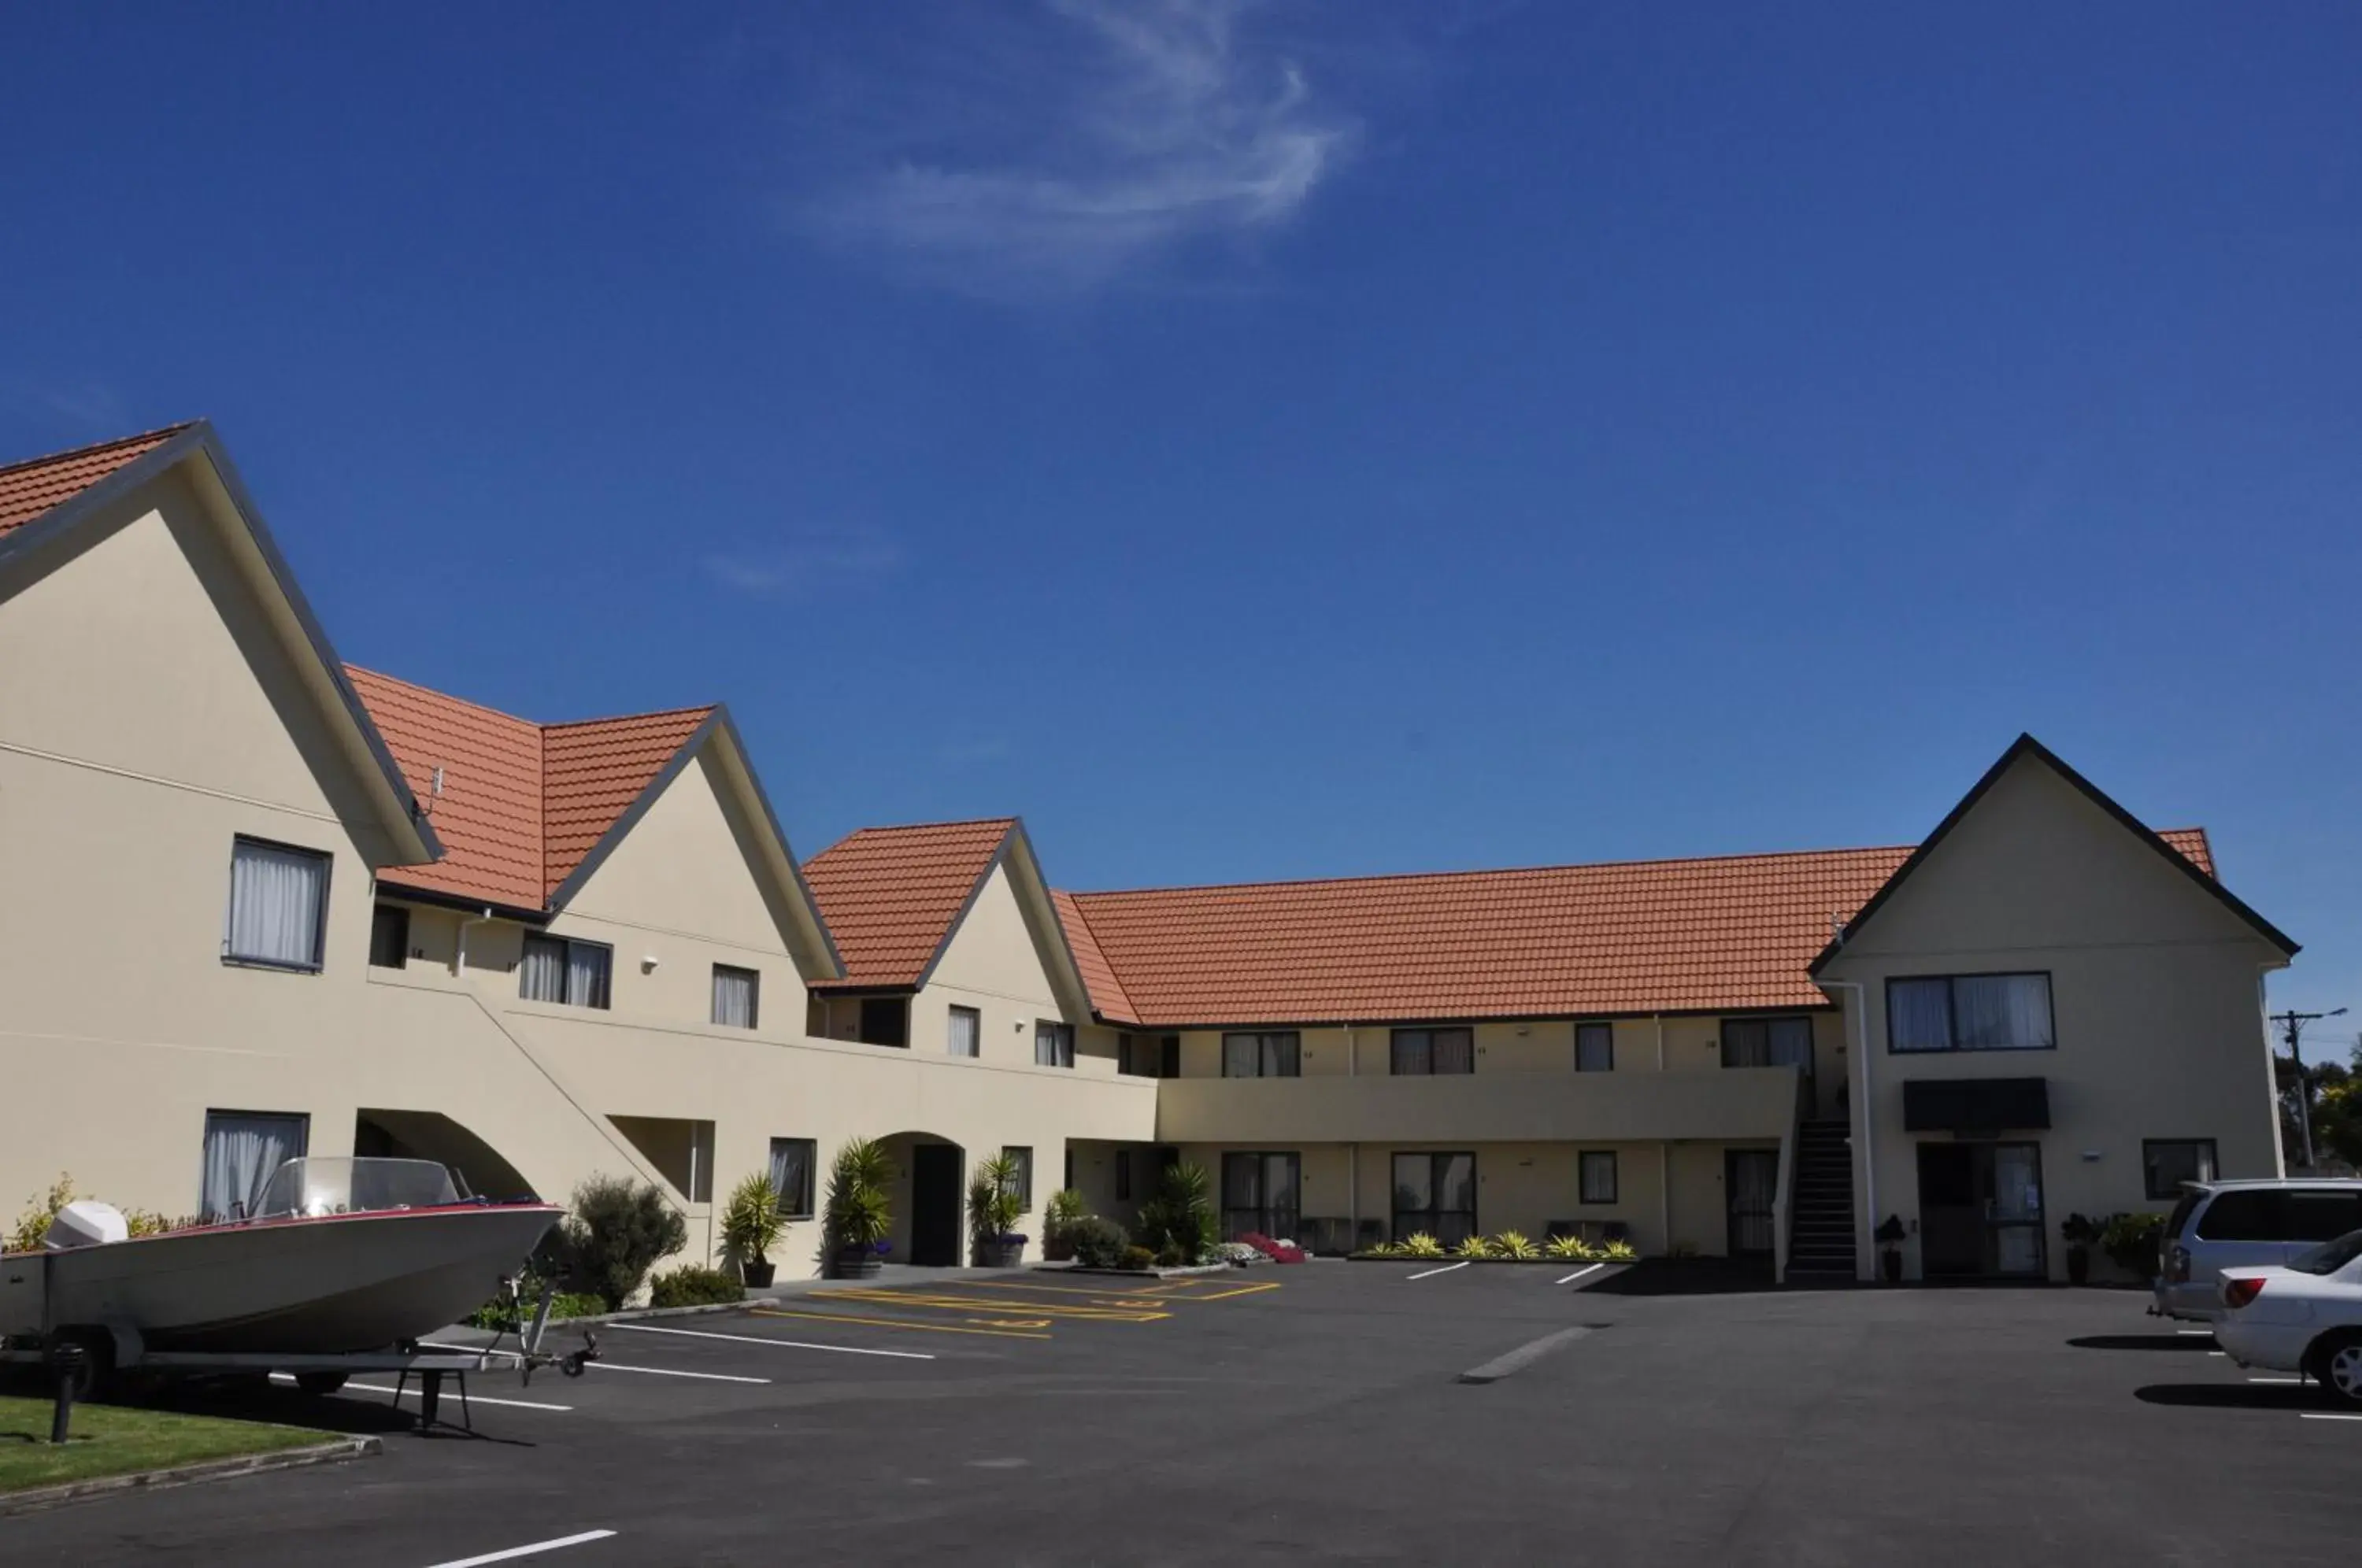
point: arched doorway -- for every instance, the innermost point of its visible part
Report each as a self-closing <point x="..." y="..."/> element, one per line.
<point x="929" y="1174"/>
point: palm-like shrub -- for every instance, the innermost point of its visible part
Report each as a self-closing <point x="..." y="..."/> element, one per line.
<point x="1059" y="1216"/>
<point x="1419" y="1245"/>
<point x="1515" y="1246"/>
<point x="1178" y="1223"/>
<point x="1619" y="1251"/>
<point x="618" y="1231"/>
<point x="994" y="1206"/>
<point x="1474" y="1248"/>
<point x="751" y="1223"/>
<point x="859" y="1213"/>
<point x="1570" y="1249"/>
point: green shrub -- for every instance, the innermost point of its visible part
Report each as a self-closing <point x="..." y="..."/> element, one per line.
<point x="2131" y="1243"/>
<point x="1514" y="1245"/>
<point x="1096" y="1243"/>
<point x="1384" y="1249"/>
<point x="694" y="1284"/>
<point x="751" y="1223"/>
<point x="1473" y="1249"/>
<point x="1419" y="1245"/>
<point x="859" y="1213"/>
<point x="994" y="1205"/>
<point x="1179" y="1220"/>
<point x="1570" y="1249"/>
<point x="509" y="1316"/>
<point x="1138" y="1259"/>
<point x="618" y="1231"/>
<point x="1619" y="1251"/>
<point x="1060" y="1215"/>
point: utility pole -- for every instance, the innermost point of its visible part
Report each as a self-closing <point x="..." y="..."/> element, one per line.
<point x="2294" y="1023"/>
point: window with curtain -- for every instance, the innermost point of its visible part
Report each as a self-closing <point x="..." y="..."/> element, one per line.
<point x="1594" y="1047"/>
<point x="1260" y="1194"/>
<point x="1425" y="1051"/>
<point x="1970" y="1012"/>
<point x="1274" y="1053"/>
<point x="1597" y="1176"/>
<point x="1053" y="1044"/>
<point x="278" y="905"/>
<point x="1149" y="1056"/>
<point x="242" y="1149"/>
<point x="963" y="1033"/>
<point x="1435" y="1193"/>
<point x="2167" y="1162"/>
<point x="1020" y="1180"/>
<point x="558" y="969"/>
<point x="390" y="937"/>
<point x="792" y="1175"/>
<point x="1767" y="1042"/>
<point x="736" y="993"/>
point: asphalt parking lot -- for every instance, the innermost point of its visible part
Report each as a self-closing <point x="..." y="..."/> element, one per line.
<point x="1320" y="1412"/>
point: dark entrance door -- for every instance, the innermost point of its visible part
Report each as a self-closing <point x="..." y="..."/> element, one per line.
<point x="1748" y="1179"/>
<point x="935" y="1205"/>
<point x="1981" y="1211"/>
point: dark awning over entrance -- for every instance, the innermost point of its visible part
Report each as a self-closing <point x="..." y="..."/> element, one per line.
<point x="1975" y="1105"/>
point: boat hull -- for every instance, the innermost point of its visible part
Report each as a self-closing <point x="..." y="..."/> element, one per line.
<point x="347" y="1282"/>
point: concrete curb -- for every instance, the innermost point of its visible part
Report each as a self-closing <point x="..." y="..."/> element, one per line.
<point x="333" y="1453"/>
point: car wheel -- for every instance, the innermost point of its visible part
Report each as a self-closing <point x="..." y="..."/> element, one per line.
<point x="2336" y="1363"/>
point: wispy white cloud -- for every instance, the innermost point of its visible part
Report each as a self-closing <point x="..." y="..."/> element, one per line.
<point x="1159" y="123"/>
<point x="794" y="567"/>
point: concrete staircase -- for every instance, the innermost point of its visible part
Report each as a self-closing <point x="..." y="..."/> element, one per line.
<point x="1820" y="1217"/>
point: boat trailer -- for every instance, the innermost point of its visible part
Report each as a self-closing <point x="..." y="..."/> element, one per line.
<point x="76" y="1365"/>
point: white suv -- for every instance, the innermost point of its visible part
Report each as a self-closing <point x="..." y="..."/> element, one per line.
<point x="2228" y="1224"/>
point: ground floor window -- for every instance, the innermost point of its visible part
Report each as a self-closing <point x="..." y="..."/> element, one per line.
<point x="1750" y="1180"/>
<point x="1261" y="1193"/>
<point x="1053" y="1044"/>
<point x="1599" y="1175"/>
<point x="791" y="1175"/>
<point x="1435" y="1193"/>
<point x="2167" y="1162"/>
<point x="1020" y="1180"/>
<point x="242" y="1149"/>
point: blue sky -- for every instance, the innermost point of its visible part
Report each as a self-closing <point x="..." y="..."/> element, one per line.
<point x="1265" y="440"/>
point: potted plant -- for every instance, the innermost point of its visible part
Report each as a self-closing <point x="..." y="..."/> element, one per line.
<point x="857" y="1223"/>
<point x="2079" y="1232"/>
<point x="1889" y="1236"/>
<point x="751" y="1226"/>
<point x="993" y="1206"/>
<point x="1059" y="1216"/>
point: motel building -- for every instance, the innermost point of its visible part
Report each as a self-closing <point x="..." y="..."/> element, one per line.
<point x="260" y="903"/>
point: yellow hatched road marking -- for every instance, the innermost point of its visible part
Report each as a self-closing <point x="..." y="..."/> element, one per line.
<point x="1149" y="1293"/>
<point x="1226" y="1295"/>
<point x="984" y="1303"/>
<point x="892" y="1323"/>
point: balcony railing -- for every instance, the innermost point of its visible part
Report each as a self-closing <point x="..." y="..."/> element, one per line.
<point x="1731" y="1103"/>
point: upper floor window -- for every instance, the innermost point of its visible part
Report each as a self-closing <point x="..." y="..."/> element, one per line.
<point x="1594" y="1047"/>
<point x="390" y="937"/>
<point x="1149" y="1055"/>
<point x="1767" y="1042"/>
<point x="2167" y="1162"/>
<point x="1053" y="1044"/>
<point x="964" y="1035"/>
<point x="885" y="1021"/>
<point x="1421" y="1051"/>
<point x="1276" y="1054"/>
<point x="560" y="969"/>
<point x="1970" y="1012"/>
<point x="278" y="905"/>
<point x="737" y="993"/>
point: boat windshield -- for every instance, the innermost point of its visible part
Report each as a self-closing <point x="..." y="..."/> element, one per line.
<point x="354" y="1185"/>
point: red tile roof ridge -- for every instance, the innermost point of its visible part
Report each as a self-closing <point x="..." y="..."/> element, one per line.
<point x="158" y="435"/>
<point x="642" y="713"/>
<point x="1010" y="821"/>
<point x="1367" y="879"/>
<point x="352" y="669"/>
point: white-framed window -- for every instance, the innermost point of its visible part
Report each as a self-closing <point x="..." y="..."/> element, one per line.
<point x="792" y="1175"/>
<point x="1020" y="1179"/>
<point x="1970" y="1012"/>
<point x="963" y="1033"/>
<point x="1599" y="1175"/>
<point x="1053" y="1044"/>
<point x="277" y="915"/>
<point x="560" y="969"/>
<point x="242" y="1149"/>
<point x="1594" y="1047"/>
<point x="737" y="995"/>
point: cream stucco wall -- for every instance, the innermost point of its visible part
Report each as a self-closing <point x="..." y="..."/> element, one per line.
<point x="2156" y="992"/>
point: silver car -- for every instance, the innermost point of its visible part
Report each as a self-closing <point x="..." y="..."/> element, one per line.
<point x="2227" y="1224"/>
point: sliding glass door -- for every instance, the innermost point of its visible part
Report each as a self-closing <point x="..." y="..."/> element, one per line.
<point x="1435" y="1195"/>
<point x="1260" y="1194"/>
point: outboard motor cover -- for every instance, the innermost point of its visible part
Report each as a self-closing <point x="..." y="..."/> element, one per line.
<point x="85" y="1222"/>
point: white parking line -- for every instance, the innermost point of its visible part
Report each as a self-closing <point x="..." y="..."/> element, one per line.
<point x="1447" y="1268"/>
<point x="2327" y="1416"/>
<point x="412" y="1394"/>
<point x="1578" y="1274"/>
<point x="2290" y="1381"/>
<point x="675" y="1372"/>
<point x="2196" y="1334"/>
<point x="766" y="1340"/>
<point x="538" y="1548"/>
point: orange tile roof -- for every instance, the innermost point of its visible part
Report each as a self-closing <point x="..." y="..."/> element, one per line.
<point x="889" y="895"/>
<point x="1728" y="933"/>
<point x="522" y="803"/>
<point x="37" y="485"/>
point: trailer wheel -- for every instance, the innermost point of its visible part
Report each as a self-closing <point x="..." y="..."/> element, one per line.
<point x="320" y="1383"/>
